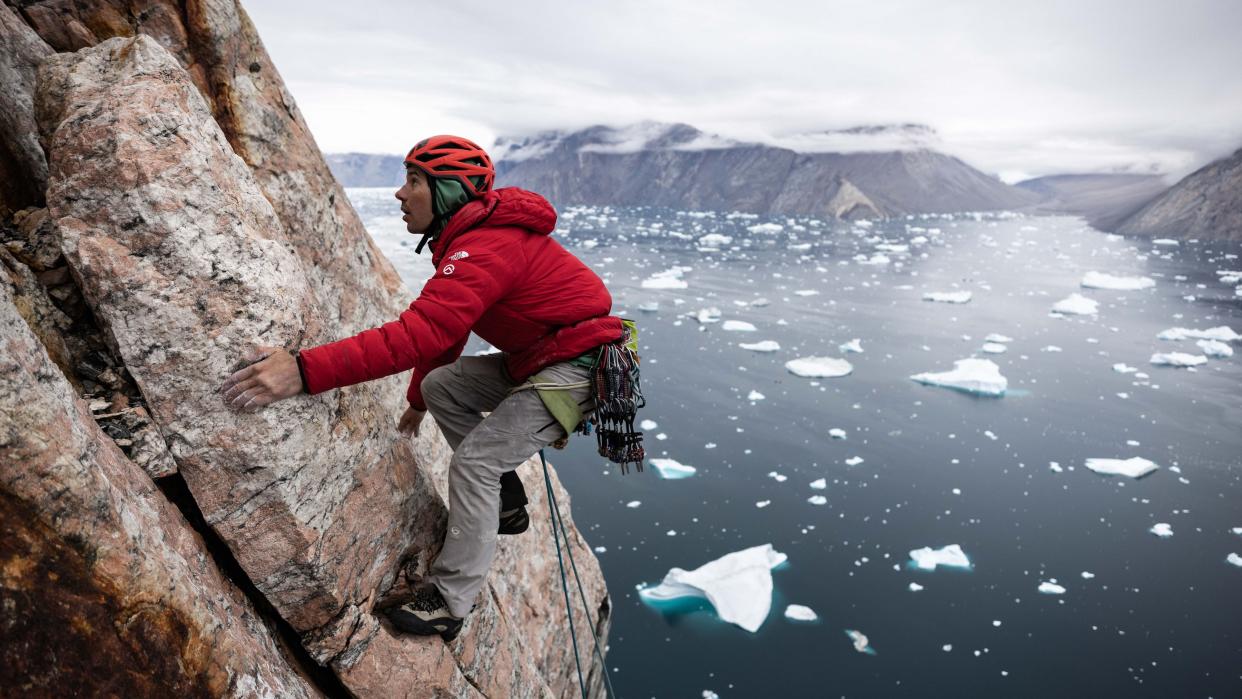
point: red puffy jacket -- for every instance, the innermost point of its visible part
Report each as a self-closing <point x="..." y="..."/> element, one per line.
<point x="498" y="273"/>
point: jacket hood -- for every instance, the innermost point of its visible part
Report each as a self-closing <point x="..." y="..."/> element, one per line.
<point x="505" y="207"/>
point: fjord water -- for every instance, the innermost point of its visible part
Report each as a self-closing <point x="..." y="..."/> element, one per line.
<point x="1160" y="616"/>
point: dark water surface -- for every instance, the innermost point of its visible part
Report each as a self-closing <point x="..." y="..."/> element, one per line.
<point x="1161" y="617"/>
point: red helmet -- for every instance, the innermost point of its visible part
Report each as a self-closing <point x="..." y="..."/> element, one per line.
<point x="455" y="157"/>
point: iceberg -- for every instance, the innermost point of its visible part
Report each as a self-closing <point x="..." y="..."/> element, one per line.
<point x="632" y="504"/>
<point x="1099" y="280"/>
<point x="1123" y="369"/>
<point x="994" y="348"/>
<point x="997" y="337"/>
<point x="817" y="500"/>
<point x="971" y="375"/>
<point x="1221" y="333"/>
<point x="853" y="461"/>
<point x="766" y="228"/>
<point x="649" y="307"/>
<point x="1134" y="467"/>
<point x="738" y="585"/>
<point x="714" y="240"/>
<point x="806" y="292"/>
<point x="797" y="612"/>
<point x="861" y="644"/>
<point x="1234" y="559"/>
<point x="915" y="587"/>
<point x="947" y="296"/>
<point x="762" y="346"/>
<point x="951" y="556"/>
<point x="668" y="279"/>
<point x="671" y="470"/>
<point x="1077" y="305"/>
<point x="854" y="345"/>
<point x="819" y="484"/>
<point x="707" y="315"/>
<point x="738" y="326"/>
<point x="1214" y="348"/>
<point x="1177" y="359"/>
<point x="1165" y="241"/>
<point x="1051" y="588"/>
<point x="1162" y="530"/>
<point x="755" y="395"/>
<point x="836" y="433"/>
<point x="819" y="367"/>
<point x="648" y="424"/>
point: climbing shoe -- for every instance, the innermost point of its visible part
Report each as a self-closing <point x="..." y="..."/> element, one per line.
<point x="426" y="615"/>
<point x="514" y="521"/>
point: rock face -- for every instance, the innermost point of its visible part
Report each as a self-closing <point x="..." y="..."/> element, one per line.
<point x="1206" y="204"/>
<point x="23" y="169"/>
<point x="188" y="215"/>
<point x="678" y="166"/>
<point x="105" y="587"/>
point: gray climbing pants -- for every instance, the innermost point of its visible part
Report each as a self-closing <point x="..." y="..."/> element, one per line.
<point x="484" y="448"/>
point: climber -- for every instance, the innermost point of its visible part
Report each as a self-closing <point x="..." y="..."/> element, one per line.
<point x="500" y="274"/>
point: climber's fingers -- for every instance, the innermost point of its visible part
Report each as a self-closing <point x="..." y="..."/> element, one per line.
<point x="246" y="398"/>
<point x="234" y="390"/>
<point x="237" y="377"/>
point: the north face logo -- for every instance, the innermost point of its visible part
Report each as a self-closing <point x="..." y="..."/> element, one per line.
<point x="459" y="254"/>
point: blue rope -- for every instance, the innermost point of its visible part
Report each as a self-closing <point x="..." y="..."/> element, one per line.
<point x="559" y="522"/>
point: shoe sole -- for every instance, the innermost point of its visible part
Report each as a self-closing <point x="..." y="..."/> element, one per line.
<point x="411" y="624"/>
<point x="514" y="524"/>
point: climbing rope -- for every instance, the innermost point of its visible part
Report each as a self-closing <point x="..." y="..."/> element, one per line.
<point x="558" y="530"/>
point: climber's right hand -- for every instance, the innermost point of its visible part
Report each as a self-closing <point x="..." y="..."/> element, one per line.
<point x="410" y="421"/>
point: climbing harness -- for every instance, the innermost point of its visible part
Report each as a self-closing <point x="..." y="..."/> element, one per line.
<point x="559" y="524"/>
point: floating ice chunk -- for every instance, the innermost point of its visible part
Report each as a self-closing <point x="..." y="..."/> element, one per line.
<point x="806" y="292"/>
<point x="1056" y="468"/>
<point x="1165" y="241"/>
<point x="819" y="367"/>
<point x="1121" y="368"/>
<point x="1076" y="304"/>
<point x="854" y="345"/>
<point x="668" y="279"/>
<point x="1221" y="333"/>
<point x="819" y="484"/>
<point x="836" y="433"/>
<point x="1051" y="588"/>
<point x="633" y="504"/>
<point x="763" y="503"/>
<point x="994" y="348"/>
<point x="861" y="644"/>
<point x="1051" y="348"/>
<point x="1134" y="467"/>
<point x="1086" y="575"/>
<point x="892" y="247"/>
<point x="648" y="424"/>
<point x="853" y="461"/>
<point x="951" y="556"/>
<point x="947" y="296"/>
<point x="915" y="587"/>
<point x="1099" y="280"/>
<point x="707" y="315"/>
<point x="997" y="337"/>
<point x="1237" y="530"/>
<point x="1214" y="348"/>
<point x="1177" y="359"/>
<point x="714" y="240"/>
<point x="766" y="228"/>
<point x="649" y="307"/>
<point x="778" y="477"/>
<point x="1162" y="529"/>
<point x="671" y="470"/>
<point x="738" y="326"/>
<point x="817" y="500"/>
<point x="762" y="346"/>
<point x="738" y="585"/>
<point x="1234" y="559"/>
<point x="971" y="375"/>
<point x="797" y="612"/>
<point x="760" y="302"/>
<point x="755" y="395"/>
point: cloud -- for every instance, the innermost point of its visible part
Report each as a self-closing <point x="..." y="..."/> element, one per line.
<point x="1045" y="87"/>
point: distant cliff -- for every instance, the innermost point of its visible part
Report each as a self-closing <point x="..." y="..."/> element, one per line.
<point x="1205" y="204"/>
<point x="1104" y="199"/>
<point x="366" y="169"/>
<point x="162" y="206"/>
<point x="676" y="165"/>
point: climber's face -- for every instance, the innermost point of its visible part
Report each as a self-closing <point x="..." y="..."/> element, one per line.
<point x="415" y="198"/>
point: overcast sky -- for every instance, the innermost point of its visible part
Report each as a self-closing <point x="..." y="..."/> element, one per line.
<point x="1015" y="89"/>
